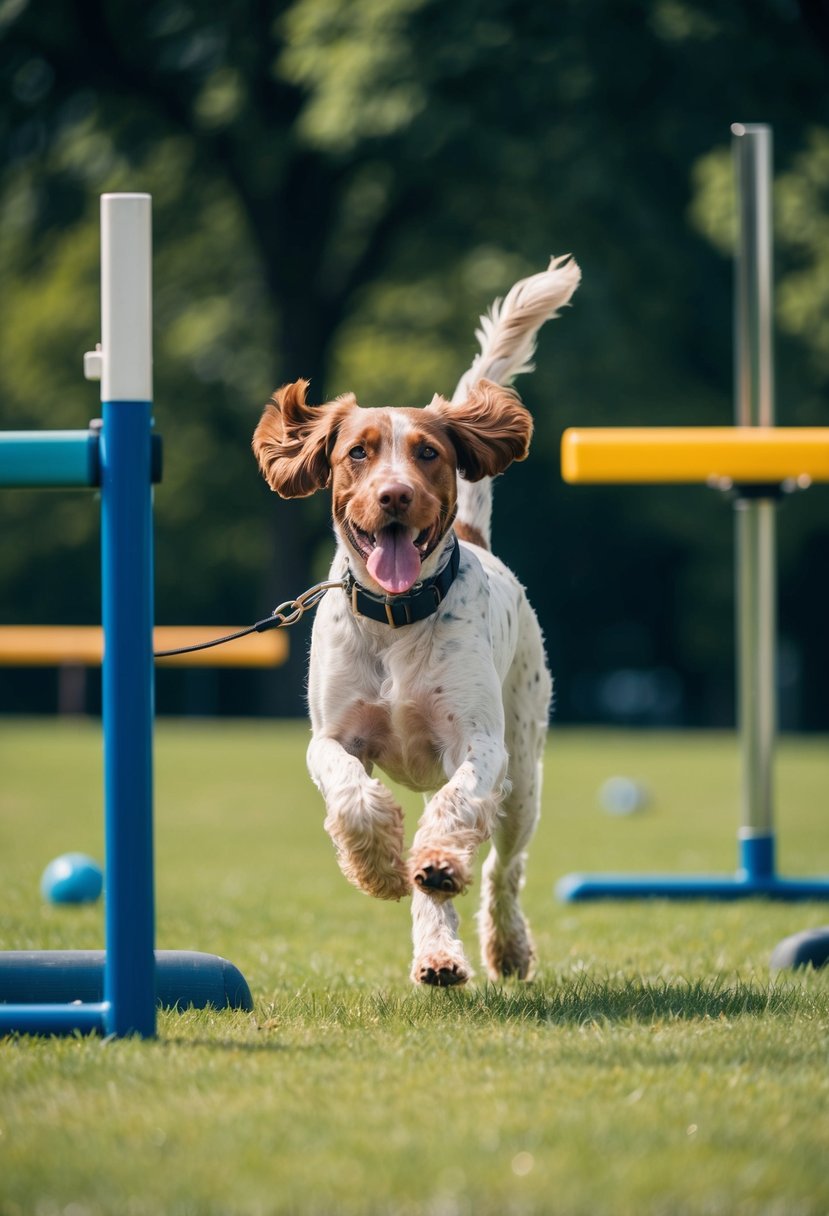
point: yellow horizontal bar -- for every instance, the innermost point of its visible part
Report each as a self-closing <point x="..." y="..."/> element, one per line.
<point x="664" y="455"/>
<point x="57" y="645"/>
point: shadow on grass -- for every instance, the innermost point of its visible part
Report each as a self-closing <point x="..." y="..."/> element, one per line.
<point x="586" y="999"/>
<point x="582" y="1001"/>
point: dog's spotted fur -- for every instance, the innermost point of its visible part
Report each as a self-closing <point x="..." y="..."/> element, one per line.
<point x="455" y="705"/>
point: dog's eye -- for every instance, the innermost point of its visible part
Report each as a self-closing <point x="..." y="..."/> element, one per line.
<point x="358" y="453"/>
<point x="427" y="453"/>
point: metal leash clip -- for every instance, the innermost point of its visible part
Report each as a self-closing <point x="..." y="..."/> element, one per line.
<point x="292" y="611"/>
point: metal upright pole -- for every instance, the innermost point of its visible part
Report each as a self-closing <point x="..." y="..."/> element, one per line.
<point x="755" y="509"/>
<point x="127" y="609"/>
<point x="755" y="582"/>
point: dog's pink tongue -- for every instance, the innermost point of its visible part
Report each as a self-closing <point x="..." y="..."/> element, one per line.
<point x="394" y="562"/>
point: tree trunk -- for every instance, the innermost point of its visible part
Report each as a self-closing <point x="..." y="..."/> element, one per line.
<point x="295" y="528"/>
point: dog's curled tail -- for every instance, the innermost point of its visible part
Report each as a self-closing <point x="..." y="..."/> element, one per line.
<point x="507" y="338"/>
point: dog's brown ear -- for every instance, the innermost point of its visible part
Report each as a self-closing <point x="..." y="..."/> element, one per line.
<point x="293" y="440"/>
<point x="489" y="430"/>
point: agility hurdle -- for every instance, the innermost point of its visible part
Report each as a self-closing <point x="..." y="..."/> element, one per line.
<point x="755" y="462"/>
<point x="71" y="649"/>
<point x="116" y="458"/>
<point x="83" y="646"/>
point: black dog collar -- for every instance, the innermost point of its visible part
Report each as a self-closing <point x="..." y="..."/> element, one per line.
<point x="422" y="601"/>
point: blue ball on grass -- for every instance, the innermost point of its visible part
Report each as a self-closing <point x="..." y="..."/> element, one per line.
<point x="623" y="796"/>
<point x="72" y="878"/>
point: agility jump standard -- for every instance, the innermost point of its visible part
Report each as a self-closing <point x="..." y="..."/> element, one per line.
<point x="117" y="459"/>
<point x="756" y="462"/>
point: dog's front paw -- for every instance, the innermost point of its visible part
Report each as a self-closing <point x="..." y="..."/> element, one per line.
<point x="382" y="878"/>
<point x="440" y="872"/>
<point x="392" y="883"/>
<point x="441" y="971"/>
<point x="369" y="844"/>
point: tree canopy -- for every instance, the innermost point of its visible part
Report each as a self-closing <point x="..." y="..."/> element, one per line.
<point x="339" y="191"/>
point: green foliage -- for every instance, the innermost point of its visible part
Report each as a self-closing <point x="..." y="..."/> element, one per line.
<point x="339" y="191"/>
<point x="355" y="63"/>
<point x="801" y="215"/>
<point x="803" y="207"/>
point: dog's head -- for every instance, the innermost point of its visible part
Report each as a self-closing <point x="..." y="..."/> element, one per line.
<point x="393" y="472"/>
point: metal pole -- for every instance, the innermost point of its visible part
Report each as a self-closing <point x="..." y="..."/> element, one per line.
<point x="127" y="610"/>
<point x="755" y="583"/>
<point x="755" y="512"/>
<point x="754" y="350"/>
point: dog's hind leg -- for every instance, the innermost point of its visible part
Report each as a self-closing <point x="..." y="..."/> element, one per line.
<point x="507" y="947"/>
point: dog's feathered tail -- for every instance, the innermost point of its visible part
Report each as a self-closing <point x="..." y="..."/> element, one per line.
<point x="507" y="339"/>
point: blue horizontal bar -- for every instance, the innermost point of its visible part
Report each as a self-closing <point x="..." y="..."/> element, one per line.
<point x="54" y="1019"/>
<point x="49" y="458"/>
<point x="574" y="888"/>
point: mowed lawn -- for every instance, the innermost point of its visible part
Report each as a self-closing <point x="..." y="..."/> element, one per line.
<point x="654" y="1066"/>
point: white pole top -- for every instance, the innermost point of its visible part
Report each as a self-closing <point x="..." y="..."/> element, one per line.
<point x="125" y="361"/>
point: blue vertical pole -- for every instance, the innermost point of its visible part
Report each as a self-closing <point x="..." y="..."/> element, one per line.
<point x="127" y="614"/>
<point x="127" y="611"/>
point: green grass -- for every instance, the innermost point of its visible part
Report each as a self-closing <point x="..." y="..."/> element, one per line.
<point x="655" y="1066"/>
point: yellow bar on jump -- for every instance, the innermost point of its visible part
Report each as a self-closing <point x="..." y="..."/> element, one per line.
<point x="742" y="455"/>
<point x="83" y="645"/>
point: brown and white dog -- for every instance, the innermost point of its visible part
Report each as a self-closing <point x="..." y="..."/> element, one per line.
<point x="430" y="663"/>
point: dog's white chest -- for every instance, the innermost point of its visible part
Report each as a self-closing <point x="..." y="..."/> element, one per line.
<point x="398" y="734"/>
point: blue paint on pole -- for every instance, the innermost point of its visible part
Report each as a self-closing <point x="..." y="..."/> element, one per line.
<point x="127" y="683"/>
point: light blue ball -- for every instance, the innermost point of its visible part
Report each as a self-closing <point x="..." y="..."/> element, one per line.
<point x="622" y="796"/>
<point x="72" y="878"/>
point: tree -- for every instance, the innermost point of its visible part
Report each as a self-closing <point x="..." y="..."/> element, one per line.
<point x="339" y="190"/>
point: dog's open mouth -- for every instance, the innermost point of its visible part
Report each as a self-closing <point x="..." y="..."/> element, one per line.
<point x="394" y="554"/>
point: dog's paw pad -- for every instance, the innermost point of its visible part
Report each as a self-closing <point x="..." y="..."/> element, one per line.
<point x="438" y="878"/>
<point x="448" y="976"/>
<point x="439" y="872"/>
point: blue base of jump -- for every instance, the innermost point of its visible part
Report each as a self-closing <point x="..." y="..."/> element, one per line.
<point x="807" y="949"/>
<point x="756" y="879"/>
<point x="61" y="991"/>
<point x="582" y="887"/>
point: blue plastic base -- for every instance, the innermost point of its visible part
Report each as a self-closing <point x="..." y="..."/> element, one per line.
<point x="807" y="949"/>
<point x="756" y="878"/>
<point x="29" y="1018"/>
<point x="61" y="991"/>
<point x="582" y="887"/>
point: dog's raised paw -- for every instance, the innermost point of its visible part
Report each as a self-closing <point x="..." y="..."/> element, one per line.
<point x="389" y="884"/>
<point x="437" y="878"/>
<point x="440" y="874"/>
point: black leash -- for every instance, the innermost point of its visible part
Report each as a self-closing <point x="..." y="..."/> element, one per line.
<point x="286" y="614"/>
<point x="395" y="610"/>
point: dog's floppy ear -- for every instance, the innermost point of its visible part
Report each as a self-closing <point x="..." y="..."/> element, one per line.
<point x="293" y="440"/>
<point x="488" y="430"/>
